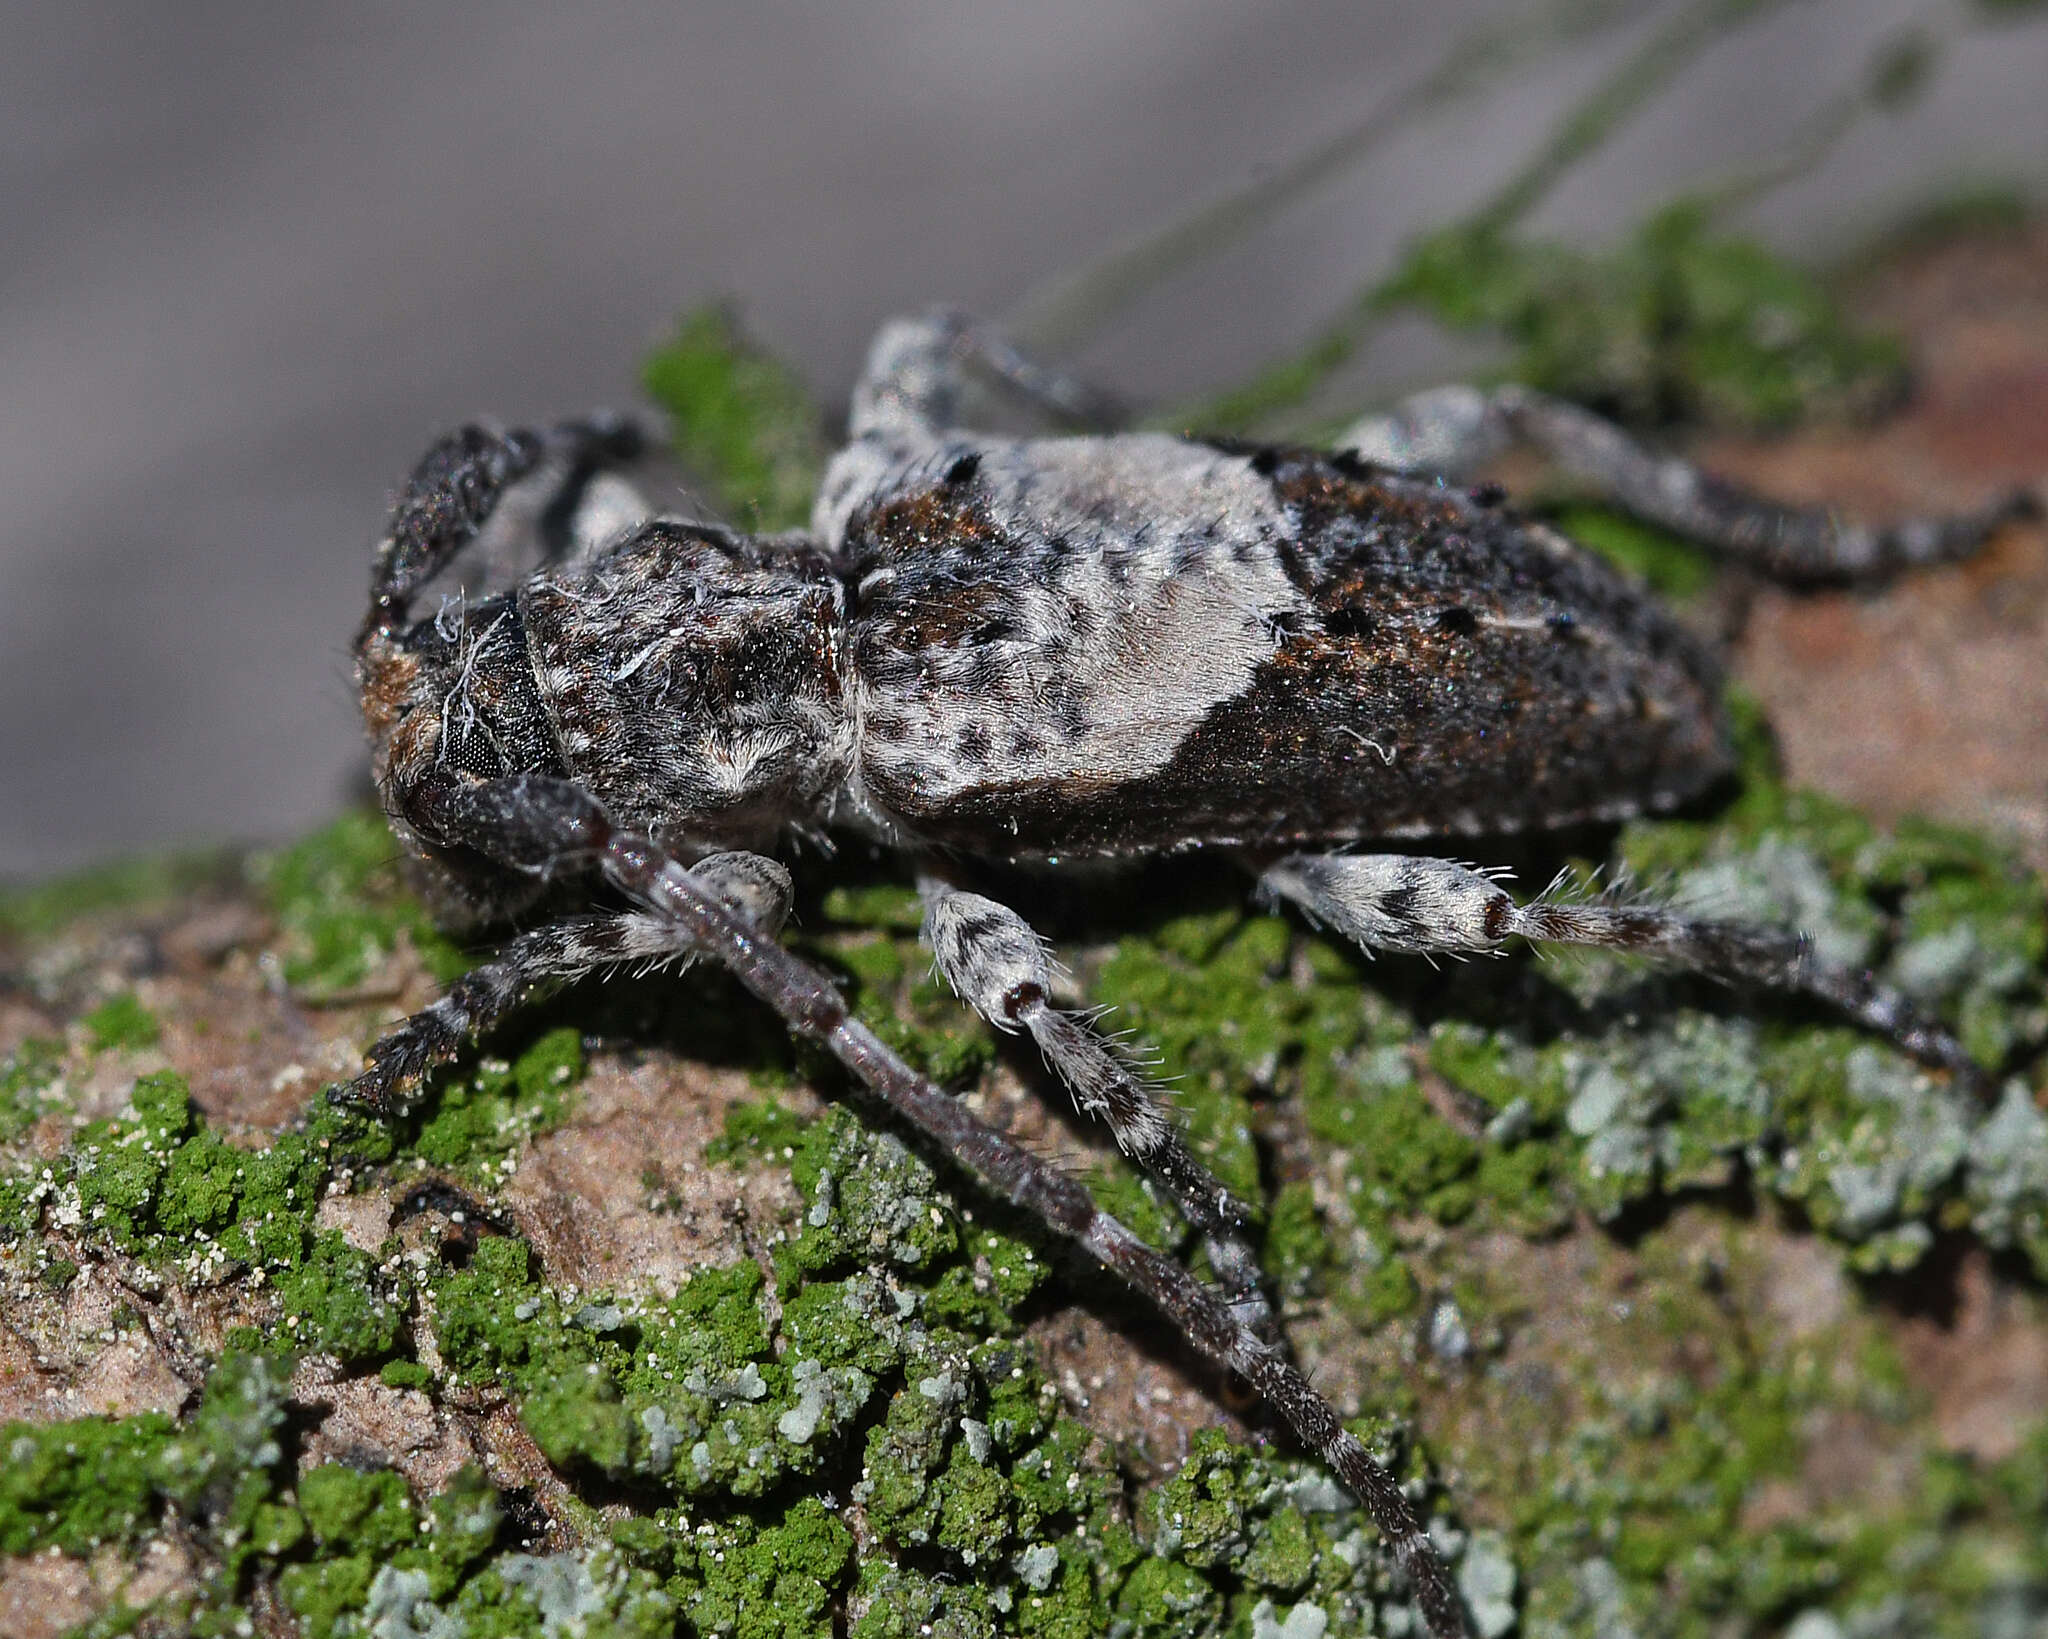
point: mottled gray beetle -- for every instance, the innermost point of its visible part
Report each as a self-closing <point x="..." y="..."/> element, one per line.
<point x="1037" y="650"/>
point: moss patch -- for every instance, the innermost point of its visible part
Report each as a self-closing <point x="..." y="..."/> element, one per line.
<point x="740" y="420"/>
<point x="157" y="1182"/>
<point x="1678" y="323"/>
<point x="343" y="910"/>
<point x="122" y="1021"/>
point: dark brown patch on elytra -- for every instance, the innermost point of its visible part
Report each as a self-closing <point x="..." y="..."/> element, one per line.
<point x="911" y="610"/>
<point x="1319" y="488"/>
<point x="919" y="522"/>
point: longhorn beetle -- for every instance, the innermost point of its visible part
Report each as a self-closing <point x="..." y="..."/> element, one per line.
<point x="1043" y="650"/>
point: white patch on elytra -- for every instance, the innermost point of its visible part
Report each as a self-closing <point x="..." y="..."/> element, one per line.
<point x="1142" y="590"/>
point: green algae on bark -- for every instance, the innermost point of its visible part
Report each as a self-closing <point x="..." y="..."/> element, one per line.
<point x="850" y="1368"/>
<point x="850" y="1429"/>
<point x="122" y="1021"/>
<point x="157" y="1182"/>
<point x="1673" y="1471"/>
<point x="1593" y="1083"/>
<point x="714" y="1406"/>
<point x="30" y="1084"/>
<point x="340" y="900"/>
<point x="475" y="1123"/>
<point x="1679" y="321"/>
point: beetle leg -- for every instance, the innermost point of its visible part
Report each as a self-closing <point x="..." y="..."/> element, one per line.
<point x="1410" y="903"/>
<point x="917" y="367"/>
<point x="1450" y="431"/>
<point x="544" y="957"/>
<point x="999" y="966"/>
<point x="534" y="961"/>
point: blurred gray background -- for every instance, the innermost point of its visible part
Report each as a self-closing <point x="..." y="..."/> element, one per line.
<point x="256" y="256"/>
